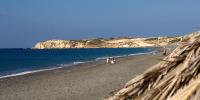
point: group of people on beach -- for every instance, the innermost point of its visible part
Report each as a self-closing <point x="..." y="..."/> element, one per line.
<point x="110" y="60"/>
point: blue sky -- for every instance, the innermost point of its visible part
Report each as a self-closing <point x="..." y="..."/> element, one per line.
<point x="25" y="22"/>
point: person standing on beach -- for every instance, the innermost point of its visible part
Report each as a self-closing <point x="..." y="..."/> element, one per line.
<point x="164" y="51"/>
<point x="107" y="60"/>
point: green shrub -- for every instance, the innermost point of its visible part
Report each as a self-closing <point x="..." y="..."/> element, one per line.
<point x="95" y="42"/>
<point x="151" y="39"/>
<point x="175" y="40"/>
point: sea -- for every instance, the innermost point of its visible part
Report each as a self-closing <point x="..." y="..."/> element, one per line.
<point x="20" y="61"/>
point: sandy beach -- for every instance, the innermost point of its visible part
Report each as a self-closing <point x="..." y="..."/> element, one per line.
<point x="88" y="81"/>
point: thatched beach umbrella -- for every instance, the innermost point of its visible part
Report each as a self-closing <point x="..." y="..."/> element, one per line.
<point x="176" y="77"/>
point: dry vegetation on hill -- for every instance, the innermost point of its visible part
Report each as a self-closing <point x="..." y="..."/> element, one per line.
<point x="109" y="43"/>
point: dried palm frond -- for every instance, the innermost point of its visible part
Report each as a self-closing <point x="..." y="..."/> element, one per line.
<point x="166" y="79"/>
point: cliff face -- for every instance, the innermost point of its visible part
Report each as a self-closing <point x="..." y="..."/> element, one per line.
<point x="108" y="43"/>
<point x="50" y="44"/>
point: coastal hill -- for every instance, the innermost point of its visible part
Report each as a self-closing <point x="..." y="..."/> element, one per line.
<point x="119" y="42"/>
<point x="109" y="43"/>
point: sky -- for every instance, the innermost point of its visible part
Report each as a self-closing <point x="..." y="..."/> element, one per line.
<point x="26" y="22"/>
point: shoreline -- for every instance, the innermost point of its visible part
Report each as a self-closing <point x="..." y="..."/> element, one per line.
<point x="87" y="81"/>
<point x="68" y="65"/>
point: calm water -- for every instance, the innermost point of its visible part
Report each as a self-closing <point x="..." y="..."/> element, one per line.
<point x="19" y="60"/>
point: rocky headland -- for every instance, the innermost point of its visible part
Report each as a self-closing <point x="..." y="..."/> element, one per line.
<point x="109" y="43"/>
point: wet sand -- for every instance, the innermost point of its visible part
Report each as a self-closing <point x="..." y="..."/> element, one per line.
<point x="88" y="81"/>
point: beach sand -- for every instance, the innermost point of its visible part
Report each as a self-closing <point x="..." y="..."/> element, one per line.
<point x="88" y="81"/>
